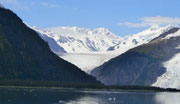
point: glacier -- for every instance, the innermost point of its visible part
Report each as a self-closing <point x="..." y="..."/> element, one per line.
<point x="171" y="78"/>
<point x="87" y="61"/>
<point x="90" y="48"/>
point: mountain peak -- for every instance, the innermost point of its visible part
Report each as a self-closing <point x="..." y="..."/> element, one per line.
<point x="170" y="27"/>
<point x="77" y="31"/>
<point x="102" y="29"/>
<point x="157" y="27"/>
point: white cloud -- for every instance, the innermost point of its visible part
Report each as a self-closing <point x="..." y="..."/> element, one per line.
<point x="149" y="21"/>
<point x="49" y="5"/>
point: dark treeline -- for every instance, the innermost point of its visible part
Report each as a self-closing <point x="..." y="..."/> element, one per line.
<point x="47" y="84"/>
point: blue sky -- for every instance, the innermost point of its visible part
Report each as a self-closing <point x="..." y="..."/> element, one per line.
<point x="119" y="16"/>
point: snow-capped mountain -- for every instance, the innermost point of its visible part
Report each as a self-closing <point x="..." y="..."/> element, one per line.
<point x="55" y="47"/>
<point x="143" y="37"/>
<point x="156" y="63"/>
<point x="171" y="78"/>
<point x="80" y="45"/>
<point x="81" y="40"/>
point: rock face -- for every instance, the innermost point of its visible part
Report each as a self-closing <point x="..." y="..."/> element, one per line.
<point x="25" y="56"/>
<point x="141" y="65"/>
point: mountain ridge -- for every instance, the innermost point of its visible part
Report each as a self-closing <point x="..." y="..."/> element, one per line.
<point x="25" y="56"/>
<point x="142" y="65"/>
<point x="76" y="44"/>
<point x="1" y="6"/>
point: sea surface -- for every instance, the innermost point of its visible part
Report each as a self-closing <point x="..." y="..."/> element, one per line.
<point x="67" y="96"/>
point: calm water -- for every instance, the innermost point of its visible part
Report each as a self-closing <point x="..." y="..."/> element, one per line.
<point x="48" y="96"/>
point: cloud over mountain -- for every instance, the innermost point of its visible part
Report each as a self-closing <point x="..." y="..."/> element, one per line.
<point x="150" y="21"/>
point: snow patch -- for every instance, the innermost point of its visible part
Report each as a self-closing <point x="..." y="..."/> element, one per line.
<point x="173" y="35"/>
<point x="178" y="47"/>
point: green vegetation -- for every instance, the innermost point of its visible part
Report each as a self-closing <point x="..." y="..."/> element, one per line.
<point x="47" y="84"/>
<point x="154" y="50"/>
<point x="141" y="65"/>
<point x="25" y="56"/>
<point x="157" y="48"/>
<point x="82" y="86"/>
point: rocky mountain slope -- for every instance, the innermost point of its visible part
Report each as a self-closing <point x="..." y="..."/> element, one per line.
<point x="25" y="56"/>
<point x="148" y="64"/>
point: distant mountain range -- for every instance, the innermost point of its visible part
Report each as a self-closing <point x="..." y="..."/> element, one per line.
<point x="81" y="40"/>
<point x="76" y="45"/>
<point x="25" y="56"/>
<point x="156" y="63"/>
<point x="147" y="58"/>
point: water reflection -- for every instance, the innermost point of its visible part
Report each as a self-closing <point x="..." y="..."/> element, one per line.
<point x="49" y="96"/>
<point x="36" y="96"/>
<point x="87" y="100"/>
<point x="167" y="98"/>
<point x="114" y="98"/>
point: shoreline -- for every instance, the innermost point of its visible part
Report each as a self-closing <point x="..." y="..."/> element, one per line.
<point x="85" y="89"/>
